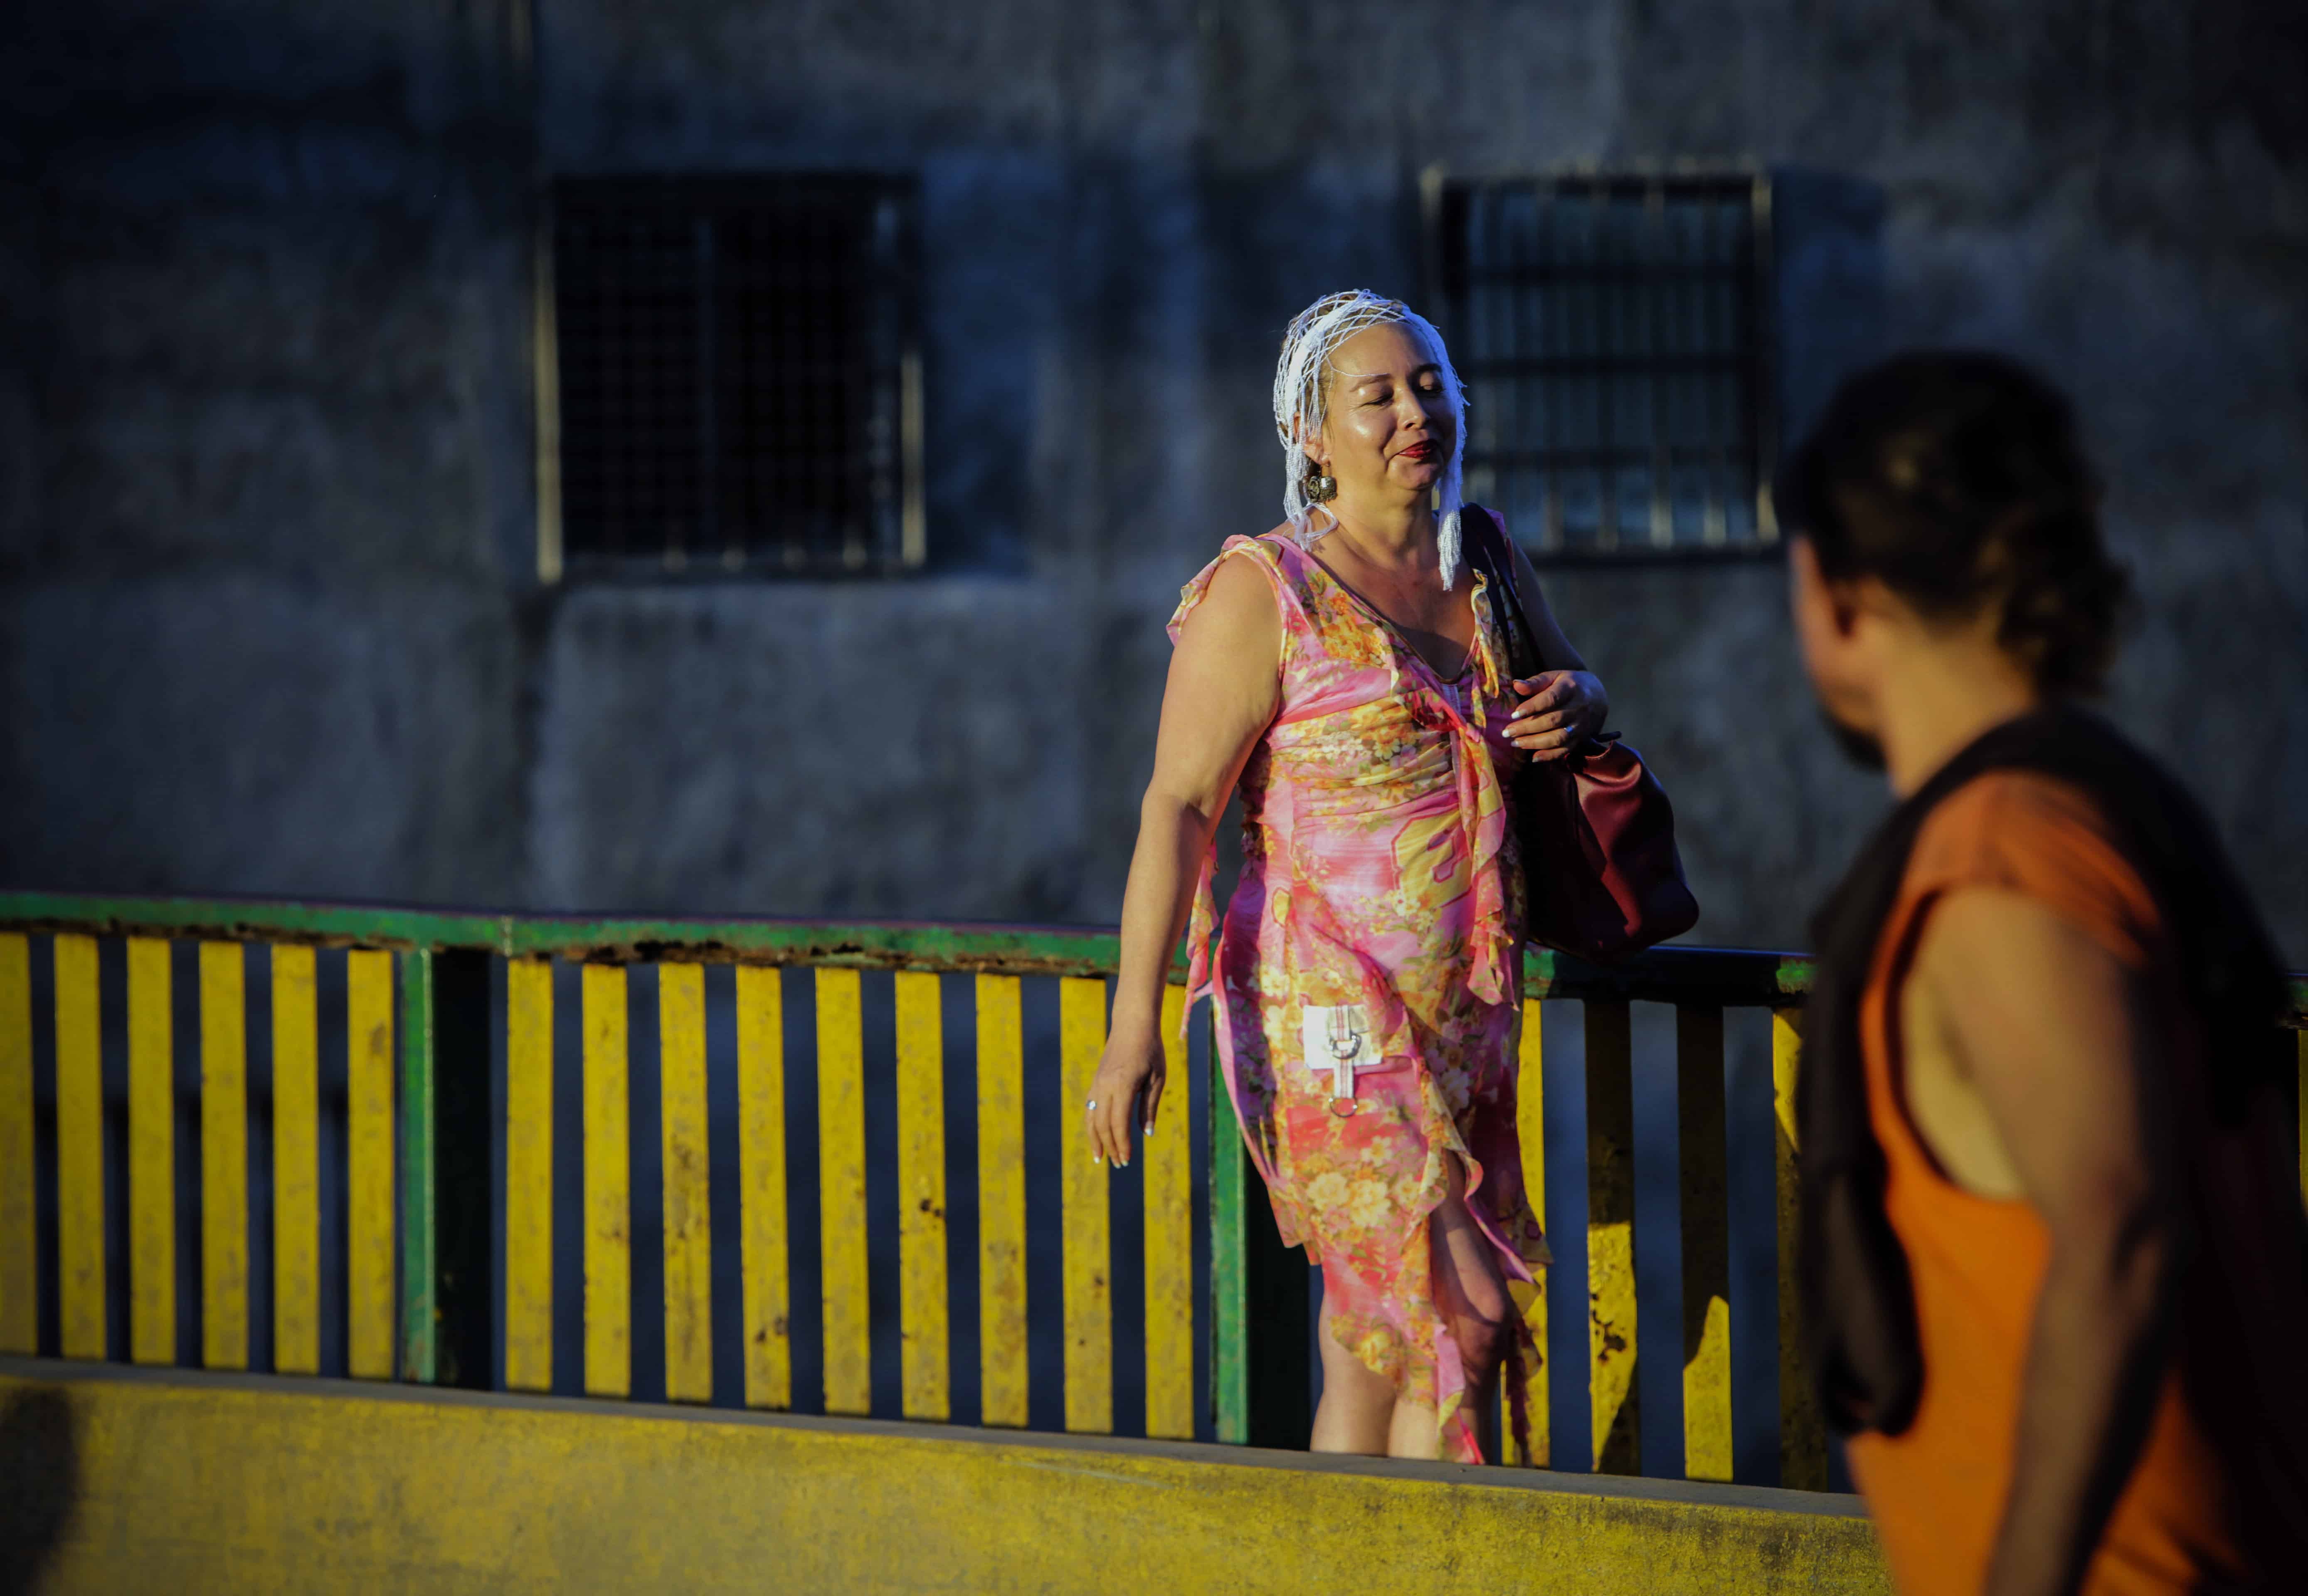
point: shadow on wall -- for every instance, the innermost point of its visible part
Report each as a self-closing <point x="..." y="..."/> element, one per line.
<point x="40" y="1482"/>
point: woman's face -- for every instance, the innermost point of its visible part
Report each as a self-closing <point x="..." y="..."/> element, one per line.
<point x="1390" y="431"/>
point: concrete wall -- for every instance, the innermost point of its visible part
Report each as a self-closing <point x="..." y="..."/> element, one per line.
<point x="267" y="616"/>
<point x="266" y="444"/>
<point x="118" y="1480"/>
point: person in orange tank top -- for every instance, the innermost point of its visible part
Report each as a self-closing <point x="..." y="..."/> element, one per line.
<point x="2054" y="1258"/>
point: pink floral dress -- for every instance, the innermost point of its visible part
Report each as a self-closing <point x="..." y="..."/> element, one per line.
<point x="1366" y="974"/>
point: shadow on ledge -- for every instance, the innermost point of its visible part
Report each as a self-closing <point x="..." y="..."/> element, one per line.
<point x="40" y="1482"/>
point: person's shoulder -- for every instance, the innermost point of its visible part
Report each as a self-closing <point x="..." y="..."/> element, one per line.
<point x="2025" y="832"/>
<point x="1276" y="550"/>
<point x="1274" y="555"/>
<point x="1995" y="799"/>
<point x="1238" y="594"/>
<point x="1243" y="573"/>
<point x="2002" y="811"/>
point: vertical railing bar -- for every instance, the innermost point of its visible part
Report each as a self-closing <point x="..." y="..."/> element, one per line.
<point x="295" y="1163"/>
<point x="1705" y="1224"/>
<point x="841" y="1187"/>
<point x="529" y="1175"/>
<point x="1802" y="1441"/>
<point x="369" y="1164"/>
<point x="152" y="1155"/>
<point x="224" y="1155"/>
<point x="420" y="1215"/>
<point x="1001" y="1204"/>
<point x="1169" y="1241"/>
<point x="1614" y="1394"/>
<point x="923" y="1302"/>
<point x="1230" y="1197"/>
<point x="19" y="1246"/>
<point x="1088" y="1251"/>
<point x="687" y="1189"/>
<point x="79" y="1149"/>
<point x="762" y="1185"/>
<point x="1530" y="1129"/>
<point x="608" y="1184"/>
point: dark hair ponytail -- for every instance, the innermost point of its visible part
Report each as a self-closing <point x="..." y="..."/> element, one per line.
<point x="1957" y="479"/>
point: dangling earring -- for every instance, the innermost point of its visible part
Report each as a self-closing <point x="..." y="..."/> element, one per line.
<point x="1320" y="487"/>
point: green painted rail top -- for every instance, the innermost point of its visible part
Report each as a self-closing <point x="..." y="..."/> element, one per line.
<point x="1727" y="976"/>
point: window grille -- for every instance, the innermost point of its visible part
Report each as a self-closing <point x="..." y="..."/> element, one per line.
<point x="1610" y="330"/>
<point x="738" y="380"/>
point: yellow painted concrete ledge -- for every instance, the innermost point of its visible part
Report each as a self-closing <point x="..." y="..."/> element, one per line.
<point x="116" y="1478"/>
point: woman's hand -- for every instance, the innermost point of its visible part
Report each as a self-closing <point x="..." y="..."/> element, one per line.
<point x="1126" y="1091"/>
<point x="1562" y="709"/>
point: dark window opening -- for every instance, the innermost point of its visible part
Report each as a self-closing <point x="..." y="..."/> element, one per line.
<point x="1610" y="330"/>
<point x="739" y="375"/>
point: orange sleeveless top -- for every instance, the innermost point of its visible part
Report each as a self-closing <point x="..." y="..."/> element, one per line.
<point x="2219" y="1499"/>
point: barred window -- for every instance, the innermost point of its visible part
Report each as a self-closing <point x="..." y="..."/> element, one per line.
<point x="738" y="382"/>
<point x="1610" y="330"/>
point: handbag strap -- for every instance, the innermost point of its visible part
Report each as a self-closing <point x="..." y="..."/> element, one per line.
<point x="1486" y="551"/>
<point x="1486" y="545"/>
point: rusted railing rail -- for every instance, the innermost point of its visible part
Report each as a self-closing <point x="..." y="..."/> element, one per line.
<point x="429" y="1160"/>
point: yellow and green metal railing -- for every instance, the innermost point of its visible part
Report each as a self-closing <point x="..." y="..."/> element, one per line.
<point x="421" y="1288"/>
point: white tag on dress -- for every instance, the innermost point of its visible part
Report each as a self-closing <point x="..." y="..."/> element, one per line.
<point x="1338" y="1044"/>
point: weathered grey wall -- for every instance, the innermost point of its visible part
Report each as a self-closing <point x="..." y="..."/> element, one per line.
<point x="266" y="437"/>
<point x="269" y="623"/>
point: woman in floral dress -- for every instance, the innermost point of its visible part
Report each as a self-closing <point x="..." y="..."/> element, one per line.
<point x="1347" y="671"/>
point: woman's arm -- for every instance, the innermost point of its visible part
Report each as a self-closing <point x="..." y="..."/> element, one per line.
<point x="1223" y="690"/>
<point x="1566" y="704"/>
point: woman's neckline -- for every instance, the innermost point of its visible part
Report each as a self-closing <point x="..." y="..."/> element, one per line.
<point x="1401" y="639"/>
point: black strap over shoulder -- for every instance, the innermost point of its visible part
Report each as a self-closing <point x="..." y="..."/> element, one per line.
<point x="1484" y="543"/>
<point x="1858" y="1297"/>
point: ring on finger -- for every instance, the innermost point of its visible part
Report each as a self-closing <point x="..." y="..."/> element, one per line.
<point x="1091" y="1106"/>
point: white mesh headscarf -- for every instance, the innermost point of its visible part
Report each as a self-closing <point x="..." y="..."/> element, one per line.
<point x="1302" y="387"/>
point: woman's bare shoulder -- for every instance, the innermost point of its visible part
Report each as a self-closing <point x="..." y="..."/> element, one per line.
<point x="1241" y="593"/>
<point x="1235" y="561"/>
<point x="1238" y="607"/>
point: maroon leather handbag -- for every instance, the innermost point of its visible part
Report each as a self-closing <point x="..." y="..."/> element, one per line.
<point x="1603" y="877"/>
